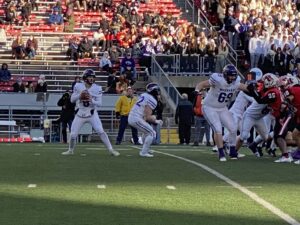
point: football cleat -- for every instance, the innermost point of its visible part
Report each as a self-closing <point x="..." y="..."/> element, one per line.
<point x="254" y="149"/>
<point x="114" y="152"/>
<point x="240" y="155"/>
<point x="147" y="155"/>
<point x="69" y="152"/>
<point x="215" y="149"/>
<point x="272" y="152"/>
<point x="284" y="159"/>
<point x="223" y="159"/>
<point x="259" y="150"/>
<point x="150" y="151"/>
<point x="297" y="162"/>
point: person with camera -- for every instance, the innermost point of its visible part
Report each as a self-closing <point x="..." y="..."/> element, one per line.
<point x="67" y="113"/>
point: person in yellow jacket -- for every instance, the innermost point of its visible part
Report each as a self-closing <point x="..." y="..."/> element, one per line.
<point x="122" y="109"/>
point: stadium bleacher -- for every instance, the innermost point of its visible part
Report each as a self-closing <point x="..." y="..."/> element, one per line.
<point x="51" y="58"/>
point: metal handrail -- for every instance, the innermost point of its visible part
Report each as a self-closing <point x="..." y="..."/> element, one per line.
<point x="232" y="53"/>
<point x="173" y="102"/>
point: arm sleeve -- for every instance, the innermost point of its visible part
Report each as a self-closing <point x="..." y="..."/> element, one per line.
<point x="215" y="79"/>
<point x="269" y="98"/>
<point x="98" y="98"/>
<point x="76" y="94"/>
<point x="118" y="105"/>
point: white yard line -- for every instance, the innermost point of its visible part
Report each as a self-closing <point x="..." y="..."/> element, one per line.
<point x="236" y="185"/>
<point x="248" y="187"/>
<point x="32" y="186"/>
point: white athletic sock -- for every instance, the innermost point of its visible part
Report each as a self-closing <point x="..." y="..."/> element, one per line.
<point x="72" y="144"/>
<point x="147" y="142"/>
<point x="258" y="139"/>
<point x="105" y="140"/>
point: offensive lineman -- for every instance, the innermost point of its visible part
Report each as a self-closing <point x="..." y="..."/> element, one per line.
<point x="222" y="88"/>
<point x="141" y="115"/>
<point x="88" y="96"/>
<point x="242" y="101"/>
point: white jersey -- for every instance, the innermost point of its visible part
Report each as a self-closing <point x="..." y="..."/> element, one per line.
<point x="220" y="93"/>
<point x="256" y="111"/>
<point x="86" y="108"/>
<point x="241" y="102"/>
<point x="139" y="107"/>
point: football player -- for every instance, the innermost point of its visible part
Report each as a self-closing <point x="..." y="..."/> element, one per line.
<point x="273" y="98"/>
<point x="242" y="101"/>
<point x="265" y="99"/>
<point x="222" y="88"/>
<point x="88" y="97"/>
<point x="292" y="95"/>
<point x="141" y="115"/>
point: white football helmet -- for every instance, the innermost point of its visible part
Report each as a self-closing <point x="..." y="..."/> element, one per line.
<point x="283" y="81"/>
<point x="257" y="74"/>
<point x="153" y="89"/>
<point x="270" y="80"/>
<point x="292" y="81"/>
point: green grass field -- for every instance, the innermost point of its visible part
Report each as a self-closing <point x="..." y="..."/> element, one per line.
<point x="70" y="189"/>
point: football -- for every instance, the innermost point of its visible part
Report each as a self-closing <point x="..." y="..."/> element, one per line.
<point x="84" y="96"/>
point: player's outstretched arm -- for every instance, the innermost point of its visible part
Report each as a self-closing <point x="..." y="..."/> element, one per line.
<point x="202" y="85"/>
<point x="243" y="87"/>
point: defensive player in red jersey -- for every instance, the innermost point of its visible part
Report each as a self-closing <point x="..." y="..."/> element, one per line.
<point x="272" y="97"/>
<point x="292" y="95"/>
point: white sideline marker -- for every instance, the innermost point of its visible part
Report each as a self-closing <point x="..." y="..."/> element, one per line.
<point x="83" y="154"/>
<point x="101" y="186"/>
<point x="37" y="153"/>
<point x="267" y="205"/>
<point x="32" y="186"/>
<point x="171" y="187"/>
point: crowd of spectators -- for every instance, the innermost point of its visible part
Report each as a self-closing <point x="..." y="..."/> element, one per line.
<point x="18" y="12"/>
<point x="266" y="30"/>
<point x="144" y="34"/>
<point x="127" y="30"/>
<point x="21" y="50"/>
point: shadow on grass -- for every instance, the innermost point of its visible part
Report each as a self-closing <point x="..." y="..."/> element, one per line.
<point x="20" y="210"/>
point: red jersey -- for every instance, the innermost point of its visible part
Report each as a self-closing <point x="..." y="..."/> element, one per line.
<point x="295" y="92"/>
<point x="274" y="99"/>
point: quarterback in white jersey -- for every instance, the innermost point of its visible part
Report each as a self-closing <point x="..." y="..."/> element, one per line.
<point x="222" y="88"/>
<point x="141" y="115"/>
<point x="88" y="97"/>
